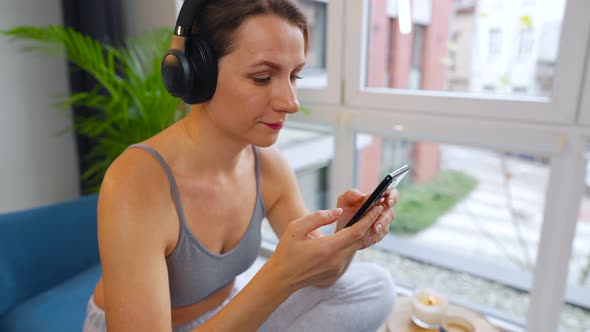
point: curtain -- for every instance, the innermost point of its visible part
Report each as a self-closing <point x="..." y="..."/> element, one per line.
<point x="100" y="19"/>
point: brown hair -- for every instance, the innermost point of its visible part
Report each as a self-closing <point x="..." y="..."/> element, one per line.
<point x="219" y="20"/>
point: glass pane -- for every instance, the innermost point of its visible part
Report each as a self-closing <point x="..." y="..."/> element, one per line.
<point x="468" y="221"/>
<point x="314" y="72"/>
<point x="309" y="153"/>
<point x="576" y="313"/>
<point x="493" y="46"/>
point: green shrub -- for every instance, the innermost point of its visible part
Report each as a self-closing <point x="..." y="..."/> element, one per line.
<point x="421" y="205"/>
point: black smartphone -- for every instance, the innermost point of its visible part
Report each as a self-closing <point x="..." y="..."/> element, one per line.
<point x="391" y="179"/>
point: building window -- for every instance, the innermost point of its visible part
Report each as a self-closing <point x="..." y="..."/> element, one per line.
<point x="525" y="44"/>
<point x="417" y="55"/>
<point x="495" y="42"/>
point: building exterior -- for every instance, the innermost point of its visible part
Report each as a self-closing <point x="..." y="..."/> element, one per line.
<point x="513" y="46"/>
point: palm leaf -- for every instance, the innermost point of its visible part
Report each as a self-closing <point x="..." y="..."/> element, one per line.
<point x="129" y="102"/>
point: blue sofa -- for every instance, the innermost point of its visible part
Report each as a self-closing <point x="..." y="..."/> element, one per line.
<point x="49" y="265"/>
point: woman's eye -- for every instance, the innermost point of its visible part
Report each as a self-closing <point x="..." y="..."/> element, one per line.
<point x="296" y="77"/>
<point x="261" y="80"/>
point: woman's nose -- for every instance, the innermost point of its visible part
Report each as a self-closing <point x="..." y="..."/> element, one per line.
<point x="286" y="99"/>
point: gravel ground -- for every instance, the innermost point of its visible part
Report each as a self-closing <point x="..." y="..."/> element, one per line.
<point x="468" y="288"/>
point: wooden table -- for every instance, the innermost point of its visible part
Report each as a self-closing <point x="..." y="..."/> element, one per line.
<point x="399" y="320"/>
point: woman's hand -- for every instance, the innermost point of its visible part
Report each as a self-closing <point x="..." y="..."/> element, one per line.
<point x="352" y="200"/>
<point x="301" y="260"/>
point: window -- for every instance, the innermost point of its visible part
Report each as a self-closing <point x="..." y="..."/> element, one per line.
<point x="417" y="54"/>
<point x="479" y="209"/>
<point x="494" y="43"/>
<point x="525" y="44"/>
<point x="314" y="72"/>
<point x="479" y="41"/>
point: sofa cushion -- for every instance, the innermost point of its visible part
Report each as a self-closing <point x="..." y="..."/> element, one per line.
<point x="41" y="247"/>
<point x="62" y="308"/>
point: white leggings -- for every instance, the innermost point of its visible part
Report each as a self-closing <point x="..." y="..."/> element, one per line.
<point x="359" y="301"/>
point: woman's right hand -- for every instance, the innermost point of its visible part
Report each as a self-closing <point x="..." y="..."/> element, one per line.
<point x="302" y="260"/>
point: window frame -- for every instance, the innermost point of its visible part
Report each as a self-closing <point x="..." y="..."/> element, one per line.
<point x="584" y="111"/>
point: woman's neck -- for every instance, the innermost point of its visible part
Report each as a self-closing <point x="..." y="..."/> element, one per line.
<point x="209" y="149"/>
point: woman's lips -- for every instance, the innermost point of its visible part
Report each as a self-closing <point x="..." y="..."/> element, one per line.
<point x="274" y="126"/>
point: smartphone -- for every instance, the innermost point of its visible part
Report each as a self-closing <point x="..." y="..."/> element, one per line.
<point x="390" y="180"/>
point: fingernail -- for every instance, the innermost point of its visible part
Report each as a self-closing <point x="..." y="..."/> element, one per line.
<point x="391" y="202"/>
<point x="379" y="228"/>
<point x="335" y="212"/>
<point x="379" y="208"/>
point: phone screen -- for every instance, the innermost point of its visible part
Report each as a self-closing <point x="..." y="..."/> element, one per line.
<point x="391" y="179"/>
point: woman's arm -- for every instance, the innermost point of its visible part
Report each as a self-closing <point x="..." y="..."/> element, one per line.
<point x="132" y="244"/>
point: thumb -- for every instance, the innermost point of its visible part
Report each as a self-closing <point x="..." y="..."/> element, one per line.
<point x="313" y="221"/>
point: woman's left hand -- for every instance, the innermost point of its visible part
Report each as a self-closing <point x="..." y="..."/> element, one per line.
<point x="352" y="200"/>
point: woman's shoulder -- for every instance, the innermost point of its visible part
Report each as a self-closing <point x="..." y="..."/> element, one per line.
<point x="135" y="169"/>
<point x="273" y="163"/>
<point x="136" y="180"/>
<point x="276" y="172"/>
<point x="133" y="202"/>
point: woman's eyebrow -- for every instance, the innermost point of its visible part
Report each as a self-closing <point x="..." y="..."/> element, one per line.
<point x="273" y="65"/>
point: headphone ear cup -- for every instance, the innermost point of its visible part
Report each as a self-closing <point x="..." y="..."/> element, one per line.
<point x="177" y="73"/>
<point x="204" y="70"/>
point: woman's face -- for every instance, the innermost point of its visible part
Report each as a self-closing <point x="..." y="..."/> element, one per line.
<point x="256" y="86"/>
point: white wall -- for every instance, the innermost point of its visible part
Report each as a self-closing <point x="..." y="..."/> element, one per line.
<point x="38" y="166"/>
<point x="140" y="16"/>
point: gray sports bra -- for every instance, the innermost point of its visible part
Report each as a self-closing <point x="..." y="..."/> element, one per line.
<point x="194" y="272"/>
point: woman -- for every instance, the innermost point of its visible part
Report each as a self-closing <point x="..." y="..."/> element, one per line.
<point x="179" y="215"/>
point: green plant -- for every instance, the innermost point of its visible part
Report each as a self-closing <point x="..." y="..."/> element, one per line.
<point x="129" y="102"/>
<point x="421" y="205"/>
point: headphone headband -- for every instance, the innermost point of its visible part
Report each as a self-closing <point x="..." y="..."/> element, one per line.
<point x="188" y="13"/>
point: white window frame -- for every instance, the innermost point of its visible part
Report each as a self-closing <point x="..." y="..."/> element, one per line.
<point x="564" y="194"/>
<point x="584" y="112"/>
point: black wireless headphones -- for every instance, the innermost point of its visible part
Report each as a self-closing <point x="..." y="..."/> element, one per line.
<point x="190" y="73"/>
